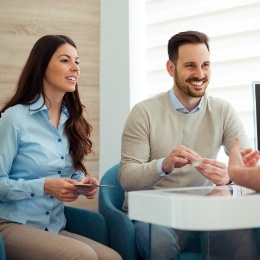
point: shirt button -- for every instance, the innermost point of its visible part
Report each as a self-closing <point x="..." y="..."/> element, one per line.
<point x="47" y="212"/>
<point x="62" y="157"/>
<point x="32" y="195"/>
<point x="59" y="140"/>
<point x="59" y="172"/>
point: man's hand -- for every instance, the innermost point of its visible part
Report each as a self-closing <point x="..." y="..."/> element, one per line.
<point x="214" y="171"/>
<point x="179" y="157"/>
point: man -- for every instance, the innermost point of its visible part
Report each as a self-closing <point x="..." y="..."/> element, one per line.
<point x="165" y="134"/>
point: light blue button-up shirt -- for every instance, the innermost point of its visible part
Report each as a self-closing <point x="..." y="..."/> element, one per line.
<point x="31" y="150"/>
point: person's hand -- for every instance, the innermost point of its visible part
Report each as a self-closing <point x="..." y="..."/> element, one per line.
<point x="89" y="192"/>
<point x="250" y="157"/>
<point x="237" y="159"/>
<point x="214" y="171"/>
<point x="179" y="157"/>
<point x="63" y="189"/>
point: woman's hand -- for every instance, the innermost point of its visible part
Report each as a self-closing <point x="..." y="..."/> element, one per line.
<point x="63" y="189"/>
<point x="89" y="192"/>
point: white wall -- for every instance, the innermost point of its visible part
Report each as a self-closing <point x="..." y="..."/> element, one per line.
<point x="114" y="79"/>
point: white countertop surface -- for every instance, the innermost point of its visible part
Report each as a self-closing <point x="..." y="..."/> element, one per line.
<point x="197" y="208"/>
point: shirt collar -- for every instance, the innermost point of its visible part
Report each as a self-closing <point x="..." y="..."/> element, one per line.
<point x="39" y="105"/>
<point x="178" y="105"/>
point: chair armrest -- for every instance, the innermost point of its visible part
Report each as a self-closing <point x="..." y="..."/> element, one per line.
<point x="87" y="223"/>
<point x="121" y="232"/>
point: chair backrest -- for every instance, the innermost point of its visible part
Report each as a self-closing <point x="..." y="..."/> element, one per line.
<point x="116" y="193"/>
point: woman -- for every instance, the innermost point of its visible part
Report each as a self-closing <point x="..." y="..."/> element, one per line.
<point x="44" y="138"/>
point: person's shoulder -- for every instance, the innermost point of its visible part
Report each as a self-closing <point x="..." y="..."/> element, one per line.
<point x="16" y="112"/>
<point x="220" y="107"/>
<point x="217" y="101"/>
<point x="19" y="108"/>
<point x="159" y="99"/>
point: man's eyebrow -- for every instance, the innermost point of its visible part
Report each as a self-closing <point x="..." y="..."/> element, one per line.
<point x="68" y="56"/>
<point x="189" y="62"/>
<point x="192" y="62"/>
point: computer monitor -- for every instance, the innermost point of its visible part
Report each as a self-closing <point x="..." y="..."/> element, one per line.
<point x="256" y="111"/>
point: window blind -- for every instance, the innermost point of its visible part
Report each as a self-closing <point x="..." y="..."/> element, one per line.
<point x="234" y="30"/>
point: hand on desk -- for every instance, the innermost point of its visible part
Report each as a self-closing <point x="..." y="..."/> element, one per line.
<point x="213" y="170"/>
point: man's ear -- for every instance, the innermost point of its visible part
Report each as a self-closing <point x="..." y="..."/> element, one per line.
<point x="170" y="68"/>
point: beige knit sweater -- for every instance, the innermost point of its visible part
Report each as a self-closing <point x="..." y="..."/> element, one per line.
<point x="154" y="128"/>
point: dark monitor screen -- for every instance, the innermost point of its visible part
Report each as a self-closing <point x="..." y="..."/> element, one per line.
<point x="256" y="110"/>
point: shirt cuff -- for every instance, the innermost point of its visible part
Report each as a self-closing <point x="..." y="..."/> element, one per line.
<point x="159" y="168"/>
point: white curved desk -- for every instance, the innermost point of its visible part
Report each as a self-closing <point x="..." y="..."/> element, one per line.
<point x="197" y="208"/>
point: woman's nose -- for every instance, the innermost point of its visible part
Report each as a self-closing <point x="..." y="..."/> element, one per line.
<point x="75" y="68"/>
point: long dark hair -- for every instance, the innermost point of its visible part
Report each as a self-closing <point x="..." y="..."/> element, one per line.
<point x="183" y="38"/>
<point x="30" y="87"/>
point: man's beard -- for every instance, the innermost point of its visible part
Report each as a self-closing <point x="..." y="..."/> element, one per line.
<point x="186" y="89"/>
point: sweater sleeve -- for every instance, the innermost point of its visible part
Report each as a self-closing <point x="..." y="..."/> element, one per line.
<point x="136" y="171"/>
